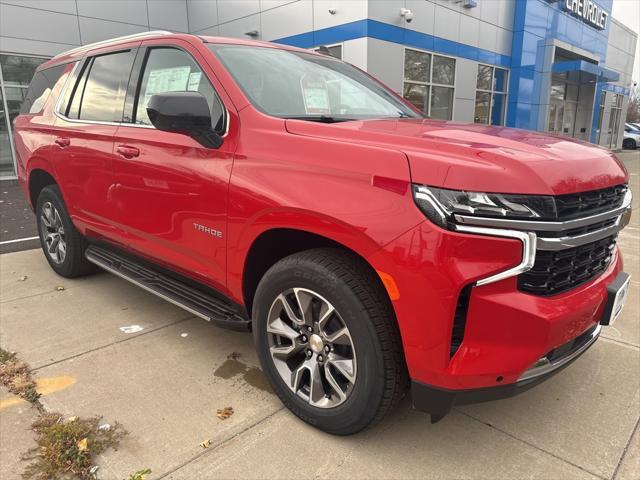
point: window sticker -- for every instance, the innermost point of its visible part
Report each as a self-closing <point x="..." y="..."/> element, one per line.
<point x="172" y="79"/>
<point x="193" y="85"/>
<point x="316" y="95"/>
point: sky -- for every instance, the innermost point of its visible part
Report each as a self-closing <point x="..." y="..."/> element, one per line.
<point x="628" y="12"/>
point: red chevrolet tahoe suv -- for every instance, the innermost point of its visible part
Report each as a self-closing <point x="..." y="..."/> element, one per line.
<point x="282" y="191"/>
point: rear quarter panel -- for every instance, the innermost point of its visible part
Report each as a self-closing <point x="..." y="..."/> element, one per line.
<point x="33" y="137"/>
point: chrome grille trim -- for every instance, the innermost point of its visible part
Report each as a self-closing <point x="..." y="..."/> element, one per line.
<point x="561" y="243"/>
<point x="528" y="240"/>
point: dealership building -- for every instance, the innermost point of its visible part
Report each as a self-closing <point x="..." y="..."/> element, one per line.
<point x="561" y="66"/>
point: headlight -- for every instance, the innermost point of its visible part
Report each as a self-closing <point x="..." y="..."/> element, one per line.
<point x="440" y="205"/>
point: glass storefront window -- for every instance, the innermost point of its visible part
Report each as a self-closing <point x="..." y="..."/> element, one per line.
<point x="485" y="73"/>
<point x="417" y="66"/>
<point x="444" y="70"/>
<point x="483" y="100"/>
<point x="428" y="82"/>
<point x="491" y="95"/>
<point x="6" y="160"/>
<point x="17" y="72"/>
<point x="441" y="102"/>
<point x="417" y="95"/>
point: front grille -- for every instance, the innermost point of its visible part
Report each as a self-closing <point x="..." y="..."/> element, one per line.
<point x="559" y="271"/>
<point x="574" y="205"/>
<point x="577" y="205"/>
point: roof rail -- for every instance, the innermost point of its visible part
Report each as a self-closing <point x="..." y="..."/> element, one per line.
<point x="111" y="40"/>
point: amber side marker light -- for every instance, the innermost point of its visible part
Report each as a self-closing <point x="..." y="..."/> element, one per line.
<point x="390" y="285"/>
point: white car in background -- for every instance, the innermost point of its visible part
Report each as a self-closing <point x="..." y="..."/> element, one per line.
<point x="631" y="139"/>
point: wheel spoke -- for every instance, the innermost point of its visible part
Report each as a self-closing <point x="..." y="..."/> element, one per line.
<point x="54" y="244"/>
<point x="46" y="215"/>
<point x="304" y="300"/>
<point x="62" y="250"/>
<point x="343" y="365"/>
<point x="341" y="337"/>
<point x="334" y="383"/>
<point x="296" y="377"/>
<point x="287" y="308"/>
<point x="316" y="389"/>
<point x="325" y="314"/>
<point x="278" y="327"/>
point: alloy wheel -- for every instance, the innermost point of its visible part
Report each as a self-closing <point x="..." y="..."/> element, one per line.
<point x="53" y="233"/>
<point x="311" y="347"/>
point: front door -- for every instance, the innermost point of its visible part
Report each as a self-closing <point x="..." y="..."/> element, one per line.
<point x="171" y="192"/>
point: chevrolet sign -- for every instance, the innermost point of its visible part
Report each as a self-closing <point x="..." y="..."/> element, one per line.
<point x="588" y="11"/>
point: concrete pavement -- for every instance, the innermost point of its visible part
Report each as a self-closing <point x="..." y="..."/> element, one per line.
<point x="165" y="387"/>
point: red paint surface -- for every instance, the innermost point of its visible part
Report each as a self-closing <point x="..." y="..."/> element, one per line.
<point x="347" y="182"/>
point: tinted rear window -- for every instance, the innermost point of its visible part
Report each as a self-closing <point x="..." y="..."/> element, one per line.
<point x="100" y="91"/>
<point x="40" y="89"/>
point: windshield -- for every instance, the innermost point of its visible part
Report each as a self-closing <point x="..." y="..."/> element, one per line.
<point x="290" y="84"/>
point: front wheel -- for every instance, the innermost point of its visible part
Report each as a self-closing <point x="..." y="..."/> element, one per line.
<point x="62" y="244"/>
<point x="629" y="144"/>
<point x="327" y="340"/>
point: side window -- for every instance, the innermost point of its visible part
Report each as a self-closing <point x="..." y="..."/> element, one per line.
<point x="40" y="89"/>
<point x="99" y="93"/>
<point x="173" y="70"/>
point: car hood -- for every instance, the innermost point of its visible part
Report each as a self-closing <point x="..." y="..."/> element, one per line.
<point x="480" y="157"/>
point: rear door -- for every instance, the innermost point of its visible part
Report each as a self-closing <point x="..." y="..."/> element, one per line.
<point x="171" y="190"/>
<point x="88" y="115"/>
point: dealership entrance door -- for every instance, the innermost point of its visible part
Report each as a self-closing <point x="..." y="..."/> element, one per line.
<point x="572" y="94"/>
<point x="570" y="107"/>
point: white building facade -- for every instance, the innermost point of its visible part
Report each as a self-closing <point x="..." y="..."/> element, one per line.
<point x="561" y="66"/>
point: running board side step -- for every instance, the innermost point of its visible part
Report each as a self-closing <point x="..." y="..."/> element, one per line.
<point x="193" y="300"/>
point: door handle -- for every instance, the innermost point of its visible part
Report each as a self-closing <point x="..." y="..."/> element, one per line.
<point x="127" y="152"/>
<point x="62" y="142"/>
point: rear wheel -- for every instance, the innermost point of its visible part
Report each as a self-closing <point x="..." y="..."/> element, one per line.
<point x="62" y="244"/>
<point x="629" y="144"/>
<point x="327" y="340"/>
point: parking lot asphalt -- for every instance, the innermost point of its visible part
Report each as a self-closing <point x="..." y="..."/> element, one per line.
<point x="164" y="383"/>
<point x="17" y="223"/>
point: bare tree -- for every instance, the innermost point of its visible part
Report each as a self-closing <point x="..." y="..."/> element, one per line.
<point x="633" y="111"/>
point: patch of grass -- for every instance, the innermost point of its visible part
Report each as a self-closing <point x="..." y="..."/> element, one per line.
<point x="68" y="447"/>
<point x="140" y="474"/>
<point x="16" y="376"/>
<point x="6" y="356"/>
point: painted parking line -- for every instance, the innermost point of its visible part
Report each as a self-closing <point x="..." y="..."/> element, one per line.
<point x="18" y="240"/>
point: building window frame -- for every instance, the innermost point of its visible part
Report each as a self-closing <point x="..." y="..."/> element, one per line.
<point x="430" y="84"/>
<point x="5" y="107"/>
<point x="492" y="93"/>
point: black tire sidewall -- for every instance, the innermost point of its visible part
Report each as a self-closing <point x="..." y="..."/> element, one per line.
<point x="362" y="405"/>
<point x="75" y="247"/>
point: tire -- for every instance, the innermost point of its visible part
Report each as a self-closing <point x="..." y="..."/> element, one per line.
<point x="372" y="382"/>
<point x="54" y="223"/>
<point x="629" y="144"/>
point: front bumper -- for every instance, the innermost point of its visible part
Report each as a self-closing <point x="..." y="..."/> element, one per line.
<point x="439" y="401"/>
<point x="506" y="331"/>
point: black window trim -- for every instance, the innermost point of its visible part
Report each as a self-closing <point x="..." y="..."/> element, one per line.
<point x="135" y="84"/>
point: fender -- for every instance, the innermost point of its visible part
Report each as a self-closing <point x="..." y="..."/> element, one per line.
<point x="306" y="221"/>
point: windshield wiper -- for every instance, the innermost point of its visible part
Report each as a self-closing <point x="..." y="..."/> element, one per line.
<point x="320" y="118"/>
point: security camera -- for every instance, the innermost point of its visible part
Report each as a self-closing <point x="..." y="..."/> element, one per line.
<point x="407" y="14"/>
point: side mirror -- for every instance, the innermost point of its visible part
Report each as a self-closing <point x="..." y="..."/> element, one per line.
<point x="184" y="112"/>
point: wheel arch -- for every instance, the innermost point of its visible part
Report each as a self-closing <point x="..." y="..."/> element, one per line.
<point x="274" y="244"/>
<point x="39" y="178"/>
